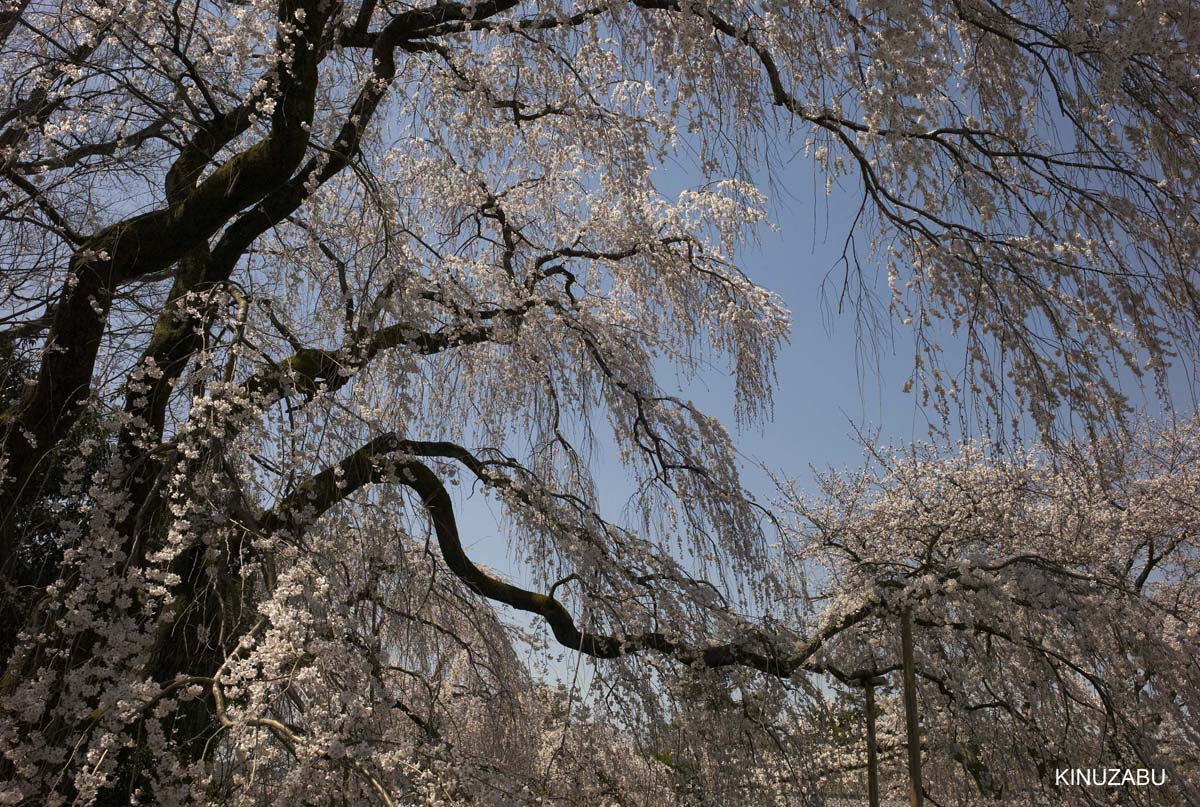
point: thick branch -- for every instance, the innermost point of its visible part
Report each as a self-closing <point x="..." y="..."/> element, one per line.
<point x="391" y="458"/>
<point x="153" y="241"/>
<point x="309" y="369"/>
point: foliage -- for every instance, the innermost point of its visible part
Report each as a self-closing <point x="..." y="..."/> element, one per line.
<point x="280" y="274"/>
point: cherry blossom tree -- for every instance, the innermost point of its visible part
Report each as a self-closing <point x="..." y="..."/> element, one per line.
<point x="1053" y="604"/>
<point x="279" y="275"/>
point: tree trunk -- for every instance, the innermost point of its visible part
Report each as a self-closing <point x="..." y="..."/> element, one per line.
<point x="872" y="748"/>
<point x="911" y="723"/>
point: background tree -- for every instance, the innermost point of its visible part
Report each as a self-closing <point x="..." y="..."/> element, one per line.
<point x="1053" y="606"/>
<point x="307" y="263"/>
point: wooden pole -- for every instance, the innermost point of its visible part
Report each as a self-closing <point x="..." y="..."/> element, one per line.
<point x="915" y="794"/>
<point x="872" y="750"/>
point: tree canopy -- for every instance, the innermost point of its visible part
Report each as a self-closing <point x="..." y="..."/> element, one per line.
<point x="279" y="274"/>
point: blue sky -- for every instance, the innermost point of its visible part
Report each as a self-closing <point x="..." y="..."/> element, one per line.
<point x="828" y="383"/>
<point x="831" y="382"/>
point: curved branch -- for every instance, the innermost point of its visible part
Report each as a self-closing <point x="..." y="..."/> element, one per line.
<point x="389" y="458"/>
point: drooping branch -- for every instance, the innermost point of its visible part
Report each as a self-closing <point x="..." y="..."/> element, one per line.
<point x="310" y="369"/>
<point x="390" y="458"/>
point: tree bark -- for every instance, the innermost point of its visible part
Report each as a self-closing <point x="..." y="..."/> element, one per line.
<point x="872" y="748"/>
<point x="911" y="721"/>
